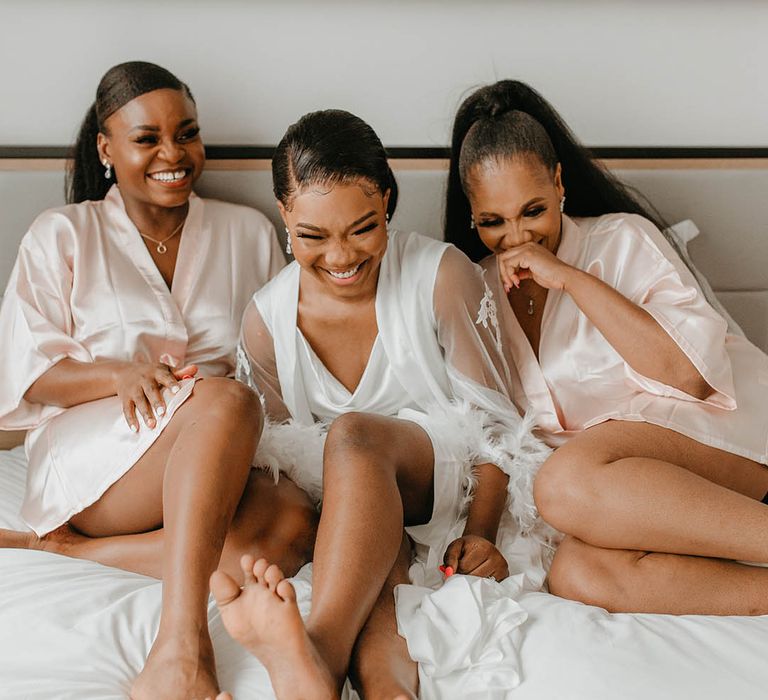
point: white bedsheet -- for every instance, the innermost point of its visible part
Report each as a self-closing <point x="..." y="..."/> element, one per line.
<point x="75" y="629"/>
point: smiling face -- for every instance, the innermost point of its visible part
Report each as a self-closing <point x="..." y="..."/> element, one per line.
<point x="153" y="143"/>
<point x="516" y="201"/>
<point x="339" y="236"/>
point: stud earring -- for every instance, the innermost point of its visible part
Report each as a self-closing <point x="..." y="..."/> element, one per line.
<point x="562" y="203"/>
<point x="472" y="223"/>
<point x="288" y="249"/>
<point x="107" y="170"/>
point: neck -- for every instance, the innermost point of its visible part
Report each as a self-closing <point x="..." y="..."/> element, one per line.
<point x="156" y="221"/>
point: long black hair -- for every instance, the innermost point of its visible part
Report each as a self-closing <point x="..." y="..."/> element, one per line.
<point x="331" y="147"/>
<point x="119" y="85"/>
<point x="510" y="118"/>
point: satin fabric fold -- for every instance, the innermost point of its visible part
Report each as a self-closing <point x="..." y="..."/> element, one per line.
<point x="85" y="287"/>
<point x="579" y="380"/>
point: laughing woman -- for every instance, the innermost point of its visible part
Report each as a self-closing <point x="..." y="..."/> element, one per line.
<point x="114" y="303"/>
<point x="659" y="411"/>
<point x="392" y="337"/>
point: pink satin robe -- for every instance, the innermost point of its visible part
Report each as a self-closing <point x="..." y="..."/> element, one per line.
<point x="579" y="380"/>
<point x="85" y="287"/>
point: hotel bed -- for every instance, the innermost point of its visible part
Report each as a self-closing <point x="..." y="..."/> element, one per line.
<point x="73" y="629"/>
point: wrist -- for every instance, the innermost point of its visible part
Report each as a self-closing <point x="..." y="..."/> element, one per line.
<point x="485" y="530"/>
<point x="114" y="369"/>
<point x="572" y="277"/>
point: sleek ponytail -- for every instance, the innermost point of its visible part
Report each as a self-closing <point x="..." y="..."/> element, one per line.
<point x="510" y="119"/>
<point x="331" y="147"/>
<point x="119" y="85"/>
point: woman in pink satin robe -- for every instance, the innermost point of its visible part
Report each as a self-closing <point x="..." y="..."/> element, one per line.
<point x="657" y="409"/>
<point x="118" y="332"/>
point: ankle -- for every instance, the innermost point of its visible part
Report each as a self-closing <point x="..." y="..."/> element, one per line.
<point x="332" y="656"/>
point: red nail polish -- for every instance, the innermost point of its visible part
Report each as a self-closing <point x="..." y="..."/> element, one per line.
<point x="442" y="567"/>
<point x="188" y="376"/>
<point x="448" y="571"/>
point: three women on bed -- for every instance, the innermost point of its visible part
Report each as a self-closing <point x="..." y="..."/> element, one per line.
<point x="117" y="303"/>
<point x="658" y="411"/>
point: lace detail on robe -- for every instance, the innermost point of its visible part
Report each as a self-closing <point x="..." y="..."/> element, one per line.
<point x="487" y="314"/>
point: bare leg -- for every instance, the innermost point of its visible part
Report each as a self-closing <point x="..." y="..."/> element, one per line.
<point x="274" y="521"/>
<point x="628" y="581"/>
<point x="378" y="474"/>
<point x="637" y="486"/>
<point x="637" y="499"/>
<point x="381" y="666"/>
<point x="190" y="481"/>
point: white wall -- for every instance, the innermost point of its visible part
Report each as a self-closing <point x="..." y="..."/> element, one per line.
<point x="631" y="72"/>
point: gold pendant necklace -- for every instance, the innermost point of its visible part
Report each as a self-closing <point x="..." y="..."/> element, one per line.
<point x="161" y="247"/>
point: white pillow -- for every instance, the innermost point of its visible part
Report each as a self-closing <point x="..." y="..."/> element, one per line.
<point x="683" y="233"/>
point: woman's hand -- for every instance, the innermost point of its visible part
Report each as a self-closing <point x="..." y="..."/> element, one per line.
<point x="476" y="556"/>
<point x="139" y="387"/>
<point x="532" y="261"/>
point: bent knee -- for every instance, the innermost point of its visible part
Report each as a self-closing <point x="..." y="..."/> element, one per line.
<point x="591" y="575"/>
<point x="228" y="399"/>
<point x="355" y="431"/>
<point x="567" y="489"/>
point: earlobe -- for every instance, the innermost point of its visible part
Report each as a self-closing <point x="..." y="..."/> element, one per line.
<point x="102" y="146"/>
<point x="283" y="213"/>
<point x="559" y="180"/>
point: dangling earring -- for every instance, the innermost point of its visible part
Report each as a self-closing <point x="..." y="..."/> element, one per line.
<point x="386" y="221"/>
<point x="108" y="170"/>
<point x="562" y="203"/>
<point x="472" y="221"/>
<point x="288" y="249"/>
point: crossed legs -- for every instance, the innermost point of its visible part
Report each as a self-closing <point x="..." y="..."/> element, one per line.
<point x="657" y="522"/>
<point x="378" y="477"/>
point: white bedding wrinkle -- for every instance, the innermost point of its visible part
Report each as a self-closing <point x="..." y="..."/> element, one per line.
<point x="76" y="630"/>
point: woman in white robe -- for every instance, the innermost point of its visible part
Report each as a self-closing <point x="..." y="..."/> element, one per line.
<point x="118" y="332"/>
<point x="657" y="408"/>
<point x="391" y="338"/>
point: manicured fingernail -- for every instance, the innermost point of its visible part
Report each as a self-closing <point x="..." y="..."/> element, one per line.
<point x="442" y="567"/>
<point x="159" y="410"/>
<point x="188" y="376"/>
<point x="134" y="428"/>
<point x="448" y="571"/>
<point x="175" y="389"/>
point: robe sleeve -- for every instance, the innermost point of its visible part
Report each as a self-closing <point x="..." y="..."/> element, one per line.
<point x="639" y="263"/>
<point x="256" y="365"/>
<point x="35" y="327"/>
<point x="468" y="332"/>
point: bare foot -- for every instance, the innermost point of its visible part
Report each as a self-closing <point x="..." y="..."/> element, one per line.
<point x="61" y="540"/>
<point x="176" y="670"/>
<point x="265" y="619"/>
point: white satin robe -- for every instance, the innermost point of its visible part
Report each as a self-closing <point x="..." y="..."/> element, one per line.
<point x="579" y="380"/>
<point x="436" y="362"/>
<point x="85" y="287"/>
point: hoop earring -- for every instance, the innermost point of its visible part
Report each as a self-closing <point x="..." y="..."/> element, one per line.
<point x="472" y="223"/>
<point x="107" y="170"/>
<point x="288" y="249"/>
<point x="562" y="203"/>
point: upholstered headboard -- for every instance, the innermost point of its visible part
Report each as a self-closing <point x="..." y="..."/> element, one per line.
<point x="721" y="190"/>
